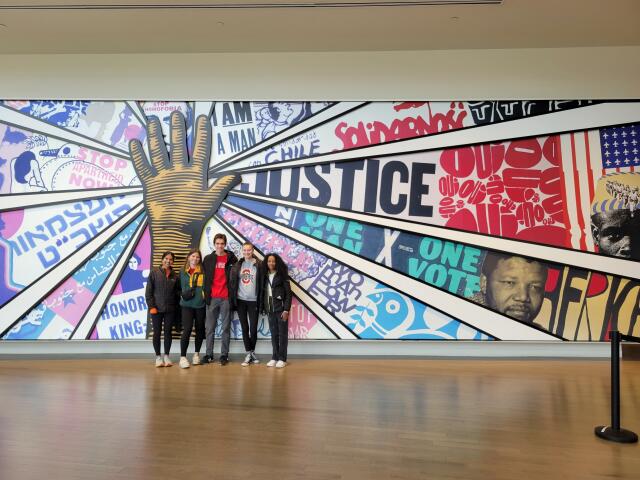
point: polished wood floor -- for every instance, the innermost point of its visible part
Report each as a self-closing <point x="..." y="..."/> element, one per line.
<point x="315" y="419"/>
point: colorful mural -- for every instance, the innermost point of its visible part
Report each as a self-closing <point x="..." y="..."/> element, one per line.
<point x="488" y="220"/>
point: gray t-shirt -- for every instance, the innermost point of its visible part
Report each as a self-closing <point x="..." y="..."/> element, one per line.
<point x="247" y="281"/>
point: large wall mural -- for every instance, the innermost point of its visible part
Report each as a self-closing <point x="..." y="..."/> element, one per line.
<point x="489" y="220"/>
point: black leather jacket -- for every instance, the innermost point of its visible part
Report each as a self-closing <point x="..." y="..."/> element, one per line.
<point x="281" y="293"/>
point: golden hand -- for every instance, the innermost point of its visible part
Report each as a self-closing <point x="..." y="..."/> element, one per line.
<point x="177" y="195"/>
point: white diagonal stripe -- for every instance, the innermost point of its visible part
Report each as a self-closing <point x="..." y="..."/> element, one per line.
<point x="29" y="200"/>
<point x="574" y="258"/>
<point x="314" y="307"/>
<point x="585" y="118"/>
<point x="322" y="314"/>
<point x="325" y="115"/>
<point x="84" y="327"/>
<point x="138" y="112"/>
<point x="470" y="313"/>
<point x="20" y="120"/>
<point x="17" y="307"/>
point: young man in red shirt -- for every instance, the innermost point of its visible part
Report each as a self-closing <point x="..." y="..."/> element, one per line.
<point x="217" y="268"/>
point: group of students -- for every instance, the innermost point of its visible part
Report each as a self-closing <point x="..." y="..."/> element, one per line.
<point x="208" y="290"/>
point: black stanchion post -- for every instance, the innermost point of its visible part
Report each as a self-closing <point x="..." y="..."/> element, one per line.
<point x="614" y="433"/>
<point x="615" y="380"/>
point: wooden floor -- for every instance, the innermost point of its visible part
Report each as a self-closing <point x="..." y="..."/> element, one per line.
<point x="315" y="419"/>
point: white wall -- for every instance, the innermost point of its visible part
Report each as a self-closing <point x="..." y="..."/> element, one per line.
<point x="554" y="73"/>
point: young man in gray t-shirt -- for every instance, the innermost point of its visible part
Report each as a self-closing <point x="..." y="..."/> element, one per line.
<point x="245" y="292"/>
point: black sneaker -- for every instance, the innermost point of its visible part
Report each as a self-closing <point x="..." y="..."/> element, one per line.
<point x="224" y="360"/>
<point x="207" y="359"/>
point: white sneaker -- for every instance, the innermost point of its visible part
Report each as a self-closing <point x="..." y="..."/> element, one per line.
<point x="184" y="363"/>
<point x="271" y="363"/>
<point x="254" y="359"/>
<point x="167" y="361"/>
<point x="196" y="359"/>
<point x="159" y="362"/>
<point x="247" y="360"/>
<point x="281" y="364"/>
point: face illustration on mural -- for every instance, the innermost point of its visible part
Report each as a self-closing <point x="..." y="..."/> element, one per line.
<point x="26" y="173"/>
<point x="615" y="219"/>
<point x="280" y="111"/>
<point x="513" y="285"/>
<point x="617" y="233"/>
<point x="134" y="262"/>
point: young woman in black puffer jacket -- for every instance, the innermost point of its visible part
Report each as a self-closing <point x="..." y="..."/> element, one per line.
<point x="162" y="294"/>
<point x="276" y="293"/>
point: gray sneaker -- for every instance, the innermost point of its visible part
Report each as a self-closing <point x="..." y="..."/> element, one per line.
<point x="254" y="359"/>
<point x="247" y="360"/>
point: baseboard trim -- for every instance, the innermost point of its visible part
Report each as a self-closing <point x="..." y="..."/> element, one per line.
<point x="343" y="348"/>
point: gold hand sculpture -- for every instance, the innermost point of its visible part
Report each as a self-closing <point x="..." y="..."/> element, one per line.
<point x="176" y="188"/>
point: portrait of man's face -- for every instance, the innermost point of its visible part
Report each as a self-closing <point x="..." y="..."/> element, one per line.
<point x="515" y="287"/>
<point x="617" y="233"/>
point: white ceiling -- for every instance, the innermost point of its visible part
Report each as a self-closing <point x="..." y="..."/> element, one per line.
<point x="513" y="24"/>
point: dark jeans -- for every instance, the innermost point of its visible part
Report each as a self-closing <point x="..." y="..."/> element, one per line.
<point x="188" y="316"/>
<point x="279" y="336"/>
<point x="250" y="327"/>
<point x="158" y="320"/>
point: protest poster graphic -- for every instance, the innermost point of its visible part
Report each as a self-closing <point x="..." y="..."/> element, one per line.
<point x="525" y="210"/>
